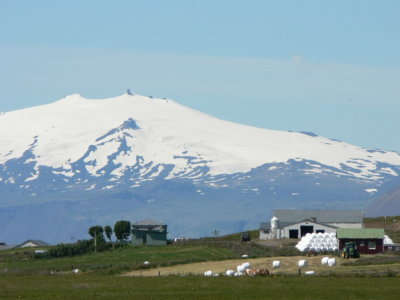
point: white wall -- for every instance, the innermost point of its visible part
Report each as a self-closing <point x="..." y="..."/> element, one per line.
<point x="266" y="235"/>
<point x="285" y="230"/>
<point x="29" y="244"/>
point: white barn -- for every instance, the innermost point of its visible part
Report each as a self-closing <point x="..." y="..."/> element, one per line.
<point x="295" y="223"/>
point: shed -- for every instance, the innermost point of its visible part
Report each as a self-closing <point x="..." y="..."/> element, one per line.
<point x="33" y="243"/>
<point x="367" y="240"/>
<point x="149" y="232"/>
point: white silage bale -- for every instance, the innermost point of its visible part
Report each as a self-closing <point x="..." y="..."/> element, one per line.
<point x="276" y="264"/>
<point x="324" y="261"/>
<point x="246" y="265"/>
<point x="238" y="274"/>
<point x="208" y="273"/>
<point x="308" y="273"/>
<point x="302" y="263"/>
<point x="240" y="268"/>
<point x="334" y="249"/>
<point x="332" y="262"/>
<point x="230" y="272"/>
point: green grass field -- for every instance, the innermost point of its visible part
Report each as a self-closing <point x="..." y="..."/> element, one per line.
<point x="119" y="260"/>
<point x="193" y="287"/>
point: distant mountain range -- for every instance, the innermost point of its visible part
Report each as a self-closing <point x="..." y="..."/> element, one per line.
<point x="77" y="162"/>
<point x="387" y="204"/>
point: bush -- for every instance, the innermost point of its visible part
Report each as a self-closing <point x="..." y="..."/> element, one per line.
<point x="80" y="247"/>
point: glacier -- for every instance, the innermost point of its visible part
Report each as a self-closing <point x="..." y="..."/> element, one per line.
<point x="78" y="162"/>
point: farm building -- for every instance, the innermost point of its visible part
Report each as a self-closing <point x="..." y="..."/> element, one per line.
<point x="295" y="223"/>
<point x="32" y="243"/>
<point x="149" y="232"/>
<point x="367" y="240"/>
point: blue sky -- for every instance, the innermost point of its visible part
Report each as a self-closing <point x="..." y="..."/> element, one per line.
<point x="330" y="67"/>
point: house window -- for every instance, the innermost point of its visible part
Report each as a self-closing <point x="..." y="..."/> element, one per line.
<point x="362" y="244"/>
<point x="372" y="245"/>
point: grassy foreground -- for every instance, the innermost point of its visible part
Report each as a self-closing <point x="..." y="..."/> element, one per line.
<point x="194" y="287"/>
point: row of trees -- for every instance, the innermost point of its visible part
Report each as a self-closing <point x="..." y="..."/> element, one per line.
<point x="122" y="231"/>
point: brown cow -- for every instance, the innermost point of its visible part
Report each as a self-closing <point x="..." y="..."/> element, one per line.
<point x="257" y="272"/>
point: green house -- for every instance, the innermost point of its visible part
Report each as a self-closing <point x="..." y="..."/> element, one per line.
<point x="149" y="232"/>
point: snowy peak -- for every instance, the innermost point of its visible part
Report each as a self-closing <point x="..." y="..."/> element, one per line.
<point x="121" y="131"/>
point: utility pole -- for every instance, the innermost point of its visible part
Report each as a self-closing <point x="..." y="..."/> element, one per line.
<point x="95" y="242"/>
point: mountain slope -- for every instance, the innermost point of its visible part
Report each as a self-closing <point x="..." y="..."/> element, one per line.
<point x="157" y="158"/>
<point x="386" y="205"/>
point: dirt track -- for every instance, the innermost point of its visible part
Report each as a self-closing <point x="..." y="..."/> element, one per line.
<point x="288" y="266"/>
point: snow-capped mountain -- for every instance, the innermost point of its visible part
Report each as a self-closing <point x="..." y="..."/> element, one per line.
<point x="78" y="162"/>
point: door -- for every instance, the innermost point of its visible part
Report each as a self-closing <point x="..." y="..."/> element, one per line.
<point x="306" y="229"/>
<point x="293" y="233"/>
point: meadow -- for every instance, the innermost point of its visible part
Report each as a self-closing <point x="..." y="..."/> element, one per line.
<point x="121" y="273"/>
<point x="196" y="287"/>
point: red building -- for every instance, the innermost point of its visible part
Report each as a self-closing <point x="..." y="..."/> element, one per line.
<point x="367" y="240"/>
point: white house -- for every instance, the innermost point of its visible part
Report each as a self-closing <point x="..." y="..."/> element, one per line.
<point x="295" y="223"/>
<point x="32" y="243"/>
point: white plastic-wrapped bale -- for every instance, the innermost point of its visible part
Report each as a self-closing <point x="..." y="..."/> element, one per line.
<point x="146" y="263"/>
<point x="246" y="265"/>
<point x="230" y="272"/>
<point x="308" y="273"/>
<point x="240" y="268"/>
<point x="387" y="240"/>
<point x="208" y="273"/>
<point x="238" y="274"/>
<point x="324" y="261"/>
<point x="276" y="264"/>
<point x="332" y="262"/>
<point x="302" y="263"/>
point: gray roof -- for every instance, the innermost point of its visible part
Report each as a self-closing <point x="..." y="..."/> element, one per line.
<point x="265" y="226"/>
<point x="39" y="243"/>
<point x="148" y="222"/>
<point x="291" y="216"/>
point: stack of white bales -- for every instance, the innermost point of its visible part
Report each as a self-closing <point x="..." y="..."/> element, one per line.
<point x="387" y="240"/>
<point x="318" y="242"/>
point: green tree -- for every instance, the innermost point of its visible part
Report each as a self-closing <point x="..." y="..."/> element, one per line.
<point x="96" y="231"/>
<point x="122" y="230"/>
<point x="108" y="231"/>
